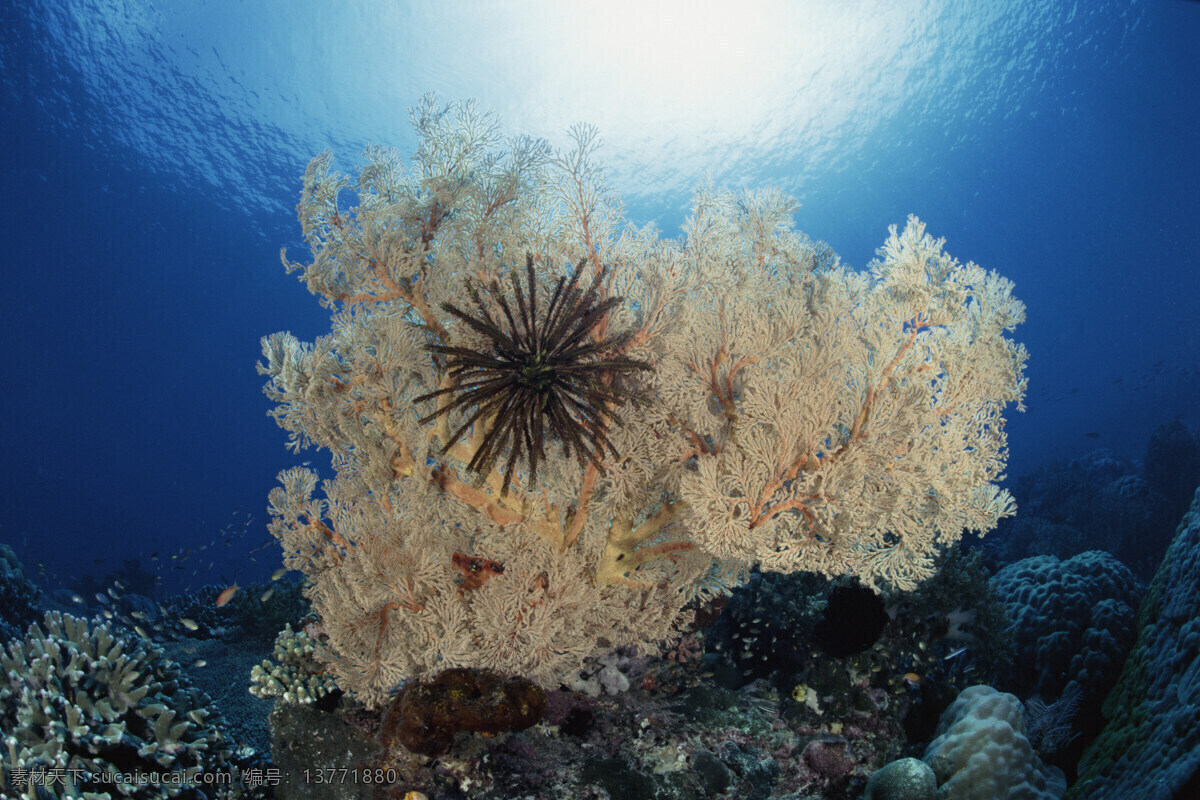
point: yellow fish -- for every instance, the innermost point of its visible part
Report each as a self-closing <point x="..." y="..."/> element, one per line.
<point x="190" y="624"/>
<point x="279" y="573"/>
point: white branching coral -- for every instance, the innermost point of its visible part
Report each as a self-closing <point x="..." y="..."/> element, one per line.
<point x="792" y="412"/>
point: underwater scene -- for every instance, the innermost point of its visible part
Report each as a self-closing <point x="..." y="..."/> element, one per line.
<point x="664" y="399"/>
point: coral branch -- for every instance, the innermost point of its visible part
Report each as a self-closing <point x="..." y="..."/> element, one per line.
<point x="621" y="547"/>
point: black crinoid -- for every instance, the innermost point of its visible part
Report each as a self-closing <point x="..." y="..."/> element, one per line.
<point x="541" y="374"/>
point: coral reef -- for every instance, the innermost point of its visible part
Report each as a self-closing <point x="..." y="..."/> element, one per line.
<point x="766" y="627"/>
<point x="981" y="751"/>
<point x="798" y="414"/>
<point x="681" y="739"/>
<point x="219" y="669"/>
<point x="322" y="756"/>
<point x="93" y="707"/>
<point x="260" y="610"/>
<point x="1150" y="747"/>
<point x="1099" y="501"/>
<point x="294" y="676"/>
<point x="19" y="596"/>
<point x="1073" y="623"/>
<point x="903" y="779"/>
<point x="1172" y="465"/>
<point x="950" y="632"/>
<point x="426" y="715"/>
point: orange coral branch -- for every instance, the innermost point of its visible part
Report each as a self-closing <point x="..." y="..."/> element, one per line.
<point x="621" y="548"/>
<point x="449" y="483"/>
<point x="795" y="504"/>
<point x="761" y="511"/>
<point x="329" y="533"/>
<point x="579" y="519"/>
<point x="383" y="612"/>
<point x="722" y="388"/>
<point x="644" y="555"/>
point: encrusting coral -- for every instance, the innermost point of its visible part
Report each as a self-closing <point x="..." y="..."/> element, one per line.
<point x="795" y="413"/>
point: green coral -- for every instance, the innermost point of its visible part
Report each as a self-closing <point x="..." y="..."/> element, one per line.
<point x="295" y="676"/>
<point x="94" y="707"/>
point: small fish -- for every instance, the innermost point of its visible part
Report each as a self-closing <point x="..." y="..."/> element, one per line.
<point x="119" y="585"/>
<point x="267" y="595"/>
<point x="138" y="615"/>
<point x="199" y="662"/>
<point x="76" y="599"/>
<point x="955" y="653"/>
<point x="108" y="614"/>
<point x="113" y="593"/>
<point x="141" y="631"/>
<point x="279" y="573"/>
<point x="912" y="680"/>
<point x="190" y="624"/>
<point x="226" y="594"/>
<point x="102" y="598"/>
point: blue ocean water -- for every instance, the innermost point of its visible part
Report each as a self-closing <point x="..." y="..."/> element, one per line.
<point x="153" y="153"/>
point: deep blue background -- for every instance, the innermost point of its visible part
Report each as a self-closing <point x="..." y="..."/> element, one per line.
<point x="152" y="158"/>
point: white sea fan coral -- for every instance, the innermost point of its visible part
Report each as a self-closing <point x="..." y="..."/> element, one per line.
<point x="796" y="414"/>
